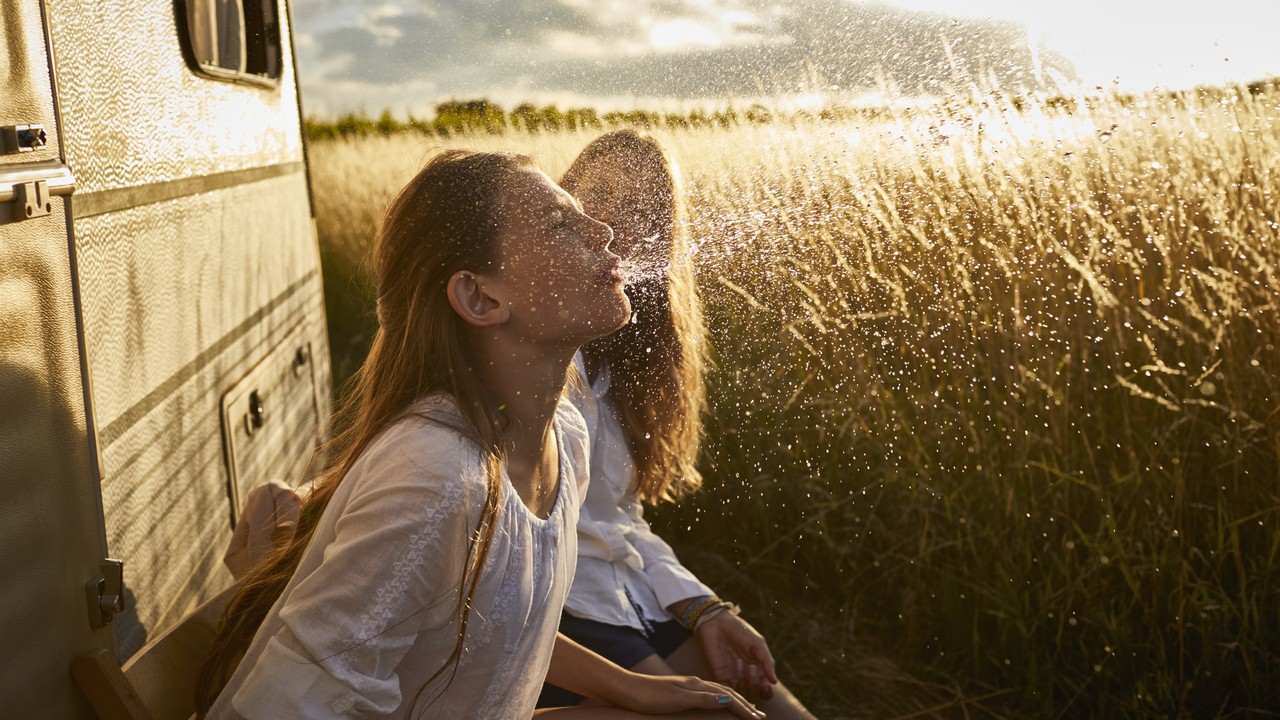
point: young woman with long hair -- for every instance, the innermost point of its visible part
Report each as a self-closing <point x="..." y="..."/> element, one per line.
<point x="431" y="560"/>
<point x="631" y="600"/>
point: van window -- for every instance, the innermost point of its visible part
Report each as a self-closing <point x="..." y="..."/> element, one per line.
<point x="233" y="39"/>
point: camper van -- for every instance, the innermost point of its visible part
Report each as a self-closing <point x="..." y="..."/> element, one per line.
<point x="162" y="328"/>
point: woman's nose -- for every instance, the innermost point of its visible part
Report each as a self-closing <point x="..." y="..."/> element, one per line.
<point x="604" y="234"/>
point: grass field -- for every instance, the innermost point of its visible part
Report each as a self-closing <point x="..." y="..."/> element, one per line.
<point x="995" y="423"/>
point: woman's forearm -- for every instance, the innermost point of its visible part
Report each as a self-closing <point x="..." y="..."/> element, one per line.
<point x="579" y="670"/>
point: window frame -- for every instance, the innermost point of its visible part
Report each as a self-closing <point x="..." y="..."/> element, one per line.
<point x="217" y="72"/>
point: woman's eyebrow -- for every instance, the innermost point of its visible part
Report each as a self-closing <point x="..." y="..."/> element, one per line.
<point x="561" y="204"/>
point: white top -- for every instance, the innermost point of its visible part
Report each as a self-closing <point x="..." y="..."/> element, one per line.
<point x="370" y="613"/>
<point x="626" y="575"/>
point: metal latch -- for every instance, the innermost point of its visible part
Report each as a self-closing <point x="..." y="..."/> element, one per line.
<point x="106" y="593"/>
<point x="22" y="138"/>
<point x="31" y="199"/>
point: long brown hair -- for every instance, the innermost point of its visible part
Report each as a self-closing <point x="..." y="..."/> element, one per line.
<point x="443" y="221"/>
<point x="656" y="362"/>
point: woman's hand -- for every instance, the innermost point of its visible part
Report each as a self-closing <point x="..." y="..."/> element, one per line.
<point x="661" y="694"/>
<point x="738" y="655"/>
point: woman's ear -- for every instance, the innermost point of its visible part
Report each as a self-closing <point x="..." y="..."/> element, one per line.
<point x="468" y="298"/>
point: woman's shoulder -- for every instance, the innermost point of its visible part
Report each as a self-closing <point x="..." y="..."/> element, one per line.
<point x="570" y="421"/>
<point x="428" y="441"/>
<point x="575" y="441"/>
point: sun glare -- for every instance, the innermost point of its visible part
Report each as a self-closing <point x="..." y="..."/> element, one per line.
<point x="683" y="34"/>
<point x="1137" y="46"/>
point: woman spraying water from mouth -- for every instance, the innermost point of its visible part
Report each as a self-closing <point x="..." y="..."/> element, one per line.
<point x="632" y="601"/>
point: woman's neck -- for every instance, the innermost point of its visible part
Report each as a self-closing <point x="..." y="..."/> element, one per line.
<point x="528" y="390"/>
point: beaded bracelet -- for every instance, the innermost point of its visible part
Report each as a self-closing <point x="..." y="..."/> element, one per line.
<point x="695" y="608"/>
<point x="713" y="611"/>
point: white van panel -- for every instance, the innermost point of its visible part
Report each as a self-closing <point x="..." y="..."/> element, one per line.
<point x="181" y="299"/>
<point x="197" y="254"/>
<point x="136" y="114"/>
<point x="51" y="537"/>
<point x="163" y="278"/>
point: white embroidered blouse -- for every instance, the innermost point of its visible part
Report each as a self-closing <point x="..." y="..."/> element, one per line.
<point x="370" y="613"/>
<point x="626" y="574"/>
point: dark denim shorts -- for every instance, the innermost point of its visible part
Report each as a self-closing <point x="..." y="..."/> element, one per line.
<point x="624" y="645"/>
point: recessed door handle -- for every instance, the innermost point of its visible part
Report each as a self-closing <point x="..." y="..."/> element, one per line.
<point x="257" y="414"/>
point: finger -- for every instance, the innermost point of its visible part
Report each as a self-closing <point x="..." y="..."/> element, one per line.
<point x="760" y="685"/>
<point x="765" y="658"/>
<point x="723" y="668"/>
<point x="730" y="701"/>
<point x="764" y="691"/>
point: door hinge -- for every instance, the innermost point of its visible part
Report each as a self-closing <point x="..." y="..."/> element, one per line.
<point x="28" y="190"/>
<point x="31" y="199"/>
<point x="105" y="593"/>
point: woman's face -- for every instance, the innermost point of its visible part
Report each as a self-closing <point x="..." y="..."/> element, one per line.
<point x="561" y="281"/>
<point x="633" y="198"/>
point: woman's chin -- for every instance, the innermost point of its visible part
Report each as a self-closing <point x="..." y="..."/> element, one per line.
<point x="624" y="313"/>
<point x="612" y="322"/>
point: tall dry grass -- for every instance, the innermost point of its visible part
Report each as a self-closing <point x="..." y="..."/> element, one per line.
<point x="996" y="411"/>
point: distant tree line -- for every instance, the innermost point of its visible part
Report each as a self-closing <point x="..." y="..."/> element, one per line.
<point x="481" y="115"/>
<point x="470" y="116"/>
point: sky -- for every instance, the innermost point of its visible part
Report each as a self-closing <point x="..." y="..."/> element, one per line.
<point x="408" y="55"/>
<point x="1143" y="44"/>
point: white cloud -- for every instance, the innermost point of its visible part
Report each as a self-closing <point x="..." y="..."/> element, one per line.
<point x="576" y="45"/>
<point x="684" y="34"/>
<point x="379" y="21"/>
